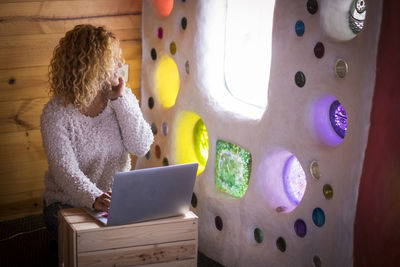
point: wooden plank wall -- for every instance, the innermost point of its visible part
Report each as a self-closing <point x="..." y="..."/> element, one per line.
<point x="29" y="31"/>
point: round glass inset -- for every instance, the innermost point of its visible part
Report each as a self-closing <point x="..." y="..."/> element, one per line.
<point x="190" y="140"/>
<point x="300" y="28"/>
<point x="294" y="180"/>
<point x="154" y="128"/>
<point x="187" y="67"/>
<point x="164" y="128"/>
<point x="150" y="102"/>
<point x="328" y="191"/>
<point x="318" y="217"/>
<point x="300" y="228"/>
<point x="358" y="12"/>
<point x="184" y="23"/>
<point x="341" y="68"/>
<point x="317" y="261"/>
<point x="165" y="162"/>
<point x="148" y="156"/>
<point x="281" y="244"/>
<point x="194" y="200"/>
<point x="158" y="151"/>
<point x="200" y="140"/>
<point x="258" y="235"/>
<point x="312" y="6"/>
<point x="163" y="7"/>
<point x="167" y="81"/>
<point x="338" y="118"/>
<point x="314" y="169"/>
<point x="218" y="223"/>
<point x="300" y="79"/>
<point x="329" y="120"/>
<point x="172" y="48"/>
<point x="153" y="54"/>
<point x="319" y="50"/>
<point x="160" y="33"/>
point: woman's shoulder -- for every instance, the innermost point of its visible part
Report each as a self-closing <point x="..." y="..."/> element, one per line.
<point x="54" y="110"/>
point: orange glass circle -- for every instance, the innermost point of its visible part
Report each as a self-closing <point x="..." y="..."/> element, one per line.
<point x="163" y="7"/>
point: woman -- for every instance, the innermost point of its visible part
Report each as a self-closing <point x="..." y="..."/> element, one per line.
<point x="89" y="125"/>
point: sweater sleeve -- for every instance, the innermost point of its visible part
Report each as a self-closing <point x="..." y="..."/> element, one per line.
<point x="63" y="162"/>
<point x="136" y="132"/>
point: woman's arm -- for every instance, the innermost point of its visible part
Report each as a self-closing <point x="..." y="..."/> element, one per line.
<point x="136" y="132"/>
<point x="62" y="160"/>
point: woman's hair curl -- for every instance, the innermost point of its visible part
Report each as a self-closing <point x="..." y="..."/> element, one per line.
<point x="83" y="63"/>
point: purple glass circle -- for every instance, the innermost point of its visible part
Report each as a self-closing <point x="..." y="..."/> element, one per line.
<point x="164" y="128"/>
<point x="300" y="228"/>
<point x="218" y="223"/>
<point x="338" y="118"/>
<point x="160" y="33"/>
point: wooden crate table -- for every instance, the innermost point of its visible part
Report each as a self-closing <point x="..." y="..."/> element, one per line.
<point x="83" y="241"/>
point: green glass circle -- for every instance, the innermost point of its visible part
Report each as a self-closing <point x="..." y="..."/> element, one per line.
<point x="200" y="140"/>
<point x="328" y="191"/>
<point x="258" y="235"/>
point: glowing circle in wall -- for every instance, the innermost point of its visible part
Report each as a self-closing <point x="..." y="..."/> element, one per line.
<point x="294" y="180"/>
<point x="163" y="7"/>
<point x="330" y="120"/>
<point x="358" y="11"/>
<point x="338" y="118"/>
<point x="167" y="81"/>
<point x="200" y="141"/>
<point x="190" y="140"/>
<point x="232" y="168"/>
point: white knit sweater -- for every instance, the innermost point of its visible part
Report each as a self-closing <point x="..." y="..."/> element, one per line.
<point x="84" y="153"/>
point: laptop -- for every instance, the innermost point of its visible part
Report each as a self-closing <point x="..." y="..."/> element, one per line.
<point x="149" y="194"/>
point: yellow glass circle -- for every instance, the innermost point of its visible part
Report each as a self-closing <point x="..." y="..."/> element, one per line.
<point x="191" y="140"/>
<point x="167" y="81"/>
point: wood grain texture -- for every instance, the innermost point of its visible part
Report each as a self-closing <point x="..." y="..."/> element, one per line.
<point x="132" y="256"/>
<point x="22" y="166"/>
<point x="23" y="83"/>
<point x="148" y="243"/>
<point x="18" y="209"/>
<point x="15" y="57"/>
<point x="29" y="26"/>
<point x="21" y="115"/>
<point x="68" y="9"/>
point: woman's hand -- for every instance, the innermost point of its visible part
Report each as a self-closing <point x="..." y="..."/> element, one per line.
<point x="117" y="90"/>
<point x="102" y="203"/>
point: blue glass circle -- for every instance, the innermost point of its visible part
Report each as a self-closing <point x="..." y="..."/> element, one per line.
<point x="300" y="28"/>
<point x="300" y="228"/>
<point x="318" y="217"/>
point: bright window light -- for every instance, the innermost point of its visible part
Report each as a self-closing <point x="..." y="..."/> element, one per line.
<point x="248" y="50"/>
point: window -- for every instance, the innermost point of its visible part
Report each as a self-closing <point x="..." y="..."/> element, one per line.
<point x="248" y="39"/>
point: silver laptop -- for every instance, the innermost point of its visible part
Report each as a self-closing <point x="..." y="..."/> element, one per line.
<point x="149" y="194"/>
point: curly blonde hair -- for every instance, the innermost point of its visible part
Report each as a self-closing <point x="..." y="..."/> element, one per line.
<point x="83" y="63"/>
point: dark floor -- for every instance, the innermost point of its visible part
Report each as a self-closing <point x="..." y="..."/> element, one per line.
<point x="26" y="242"/>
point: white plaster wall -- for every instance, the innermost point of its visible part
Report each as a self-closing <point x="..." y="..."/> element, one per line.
<point x="286" y="124"/>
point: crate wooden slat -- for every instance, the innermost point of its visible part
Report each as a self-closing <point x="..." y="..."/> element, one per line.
<point x="139" y="255"/>
<point x="83" y="241"/>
